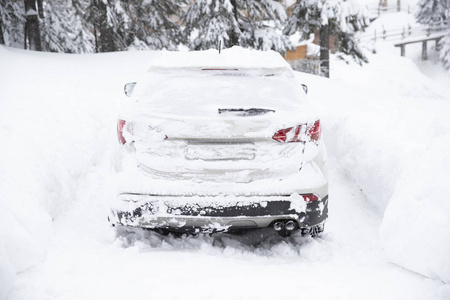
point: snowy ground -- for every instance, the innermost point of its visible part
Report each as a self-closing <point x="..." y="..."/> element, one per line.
<point x="387" y="130"/>
<point x="86" y="261"/>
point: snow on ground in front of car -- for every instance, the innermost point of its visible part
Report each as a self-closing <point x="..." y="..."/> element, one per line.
<point x="386" y="134"/>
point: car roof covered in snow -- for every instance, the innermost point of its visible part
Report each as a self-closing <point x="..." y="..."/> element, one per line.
<point x="231" y="58"/>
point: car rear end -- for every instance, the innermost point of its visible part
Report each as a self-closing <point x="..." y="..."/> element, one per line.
<point x="217" y="149"/>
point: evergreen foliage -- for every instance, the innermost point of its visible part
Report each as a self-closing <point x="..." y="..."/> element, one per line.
<point x="12" y="21"/>
<point x="151" y="23"/>
<point x="305" y="18"/>
<point x="432" y="11"/>
<point x="350" y="48"/>
<point x="253" y="24"/>
<point x="110" y="22"/>
<point x="2" y="39"/>
<point x="445" y="51"/>
<point x="263" y="26"/>
<point x="83" y="26"/>
<point x="208" y="21"/>
<point x="437" y="11"/>
<point x="83" y="33"/>
<point x="63" y="30"/>
<point x="341" y="18"/>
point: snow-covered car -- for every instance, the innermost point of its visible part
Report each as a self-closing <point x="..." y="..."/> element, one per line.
<point x="213" y="141"/>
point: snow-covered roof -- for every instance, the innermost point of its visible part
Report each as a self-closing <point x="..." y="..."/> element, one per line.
<point x="235" y="57"/>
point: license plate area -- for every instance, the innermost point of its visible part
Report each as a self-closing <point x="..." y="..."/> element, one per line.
<point x="211" y="151"/>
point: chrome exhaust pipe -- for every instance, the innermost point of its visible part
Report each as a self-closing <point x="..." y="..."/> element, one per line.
<point x="278" y="226"/>
<point x="290" y="225"/>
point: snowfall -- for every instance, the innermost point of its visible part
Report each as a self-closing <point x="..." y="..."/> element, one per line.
<point x="387" y="130"/>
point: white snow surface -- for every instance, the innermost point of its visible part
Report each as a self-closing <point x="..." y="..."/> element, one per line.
<point x="387" y="131"/>
<point x="228" y="58"/>
<point x="391" y="134"/>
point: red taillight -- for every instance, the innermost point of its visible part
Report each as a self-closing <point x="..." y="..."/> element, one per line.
<point x="288" y="135"/>
<point x="294" y="134"/>
<point x="310" y="197"/>
<point x="120" y="125"/>
<point x="314" y="131"/>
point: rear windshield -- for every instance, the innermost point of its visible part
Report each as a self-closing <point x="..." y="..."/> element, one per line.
<point x="272" y="89"/>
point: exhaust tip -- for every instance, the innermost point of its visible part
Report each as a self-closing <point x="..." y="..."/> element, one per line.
<point x="278" y="226"/>
<point x="290" y="225"/>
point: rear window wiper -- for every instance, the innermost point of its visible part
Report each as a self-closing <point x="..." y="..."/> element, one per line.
<point x="245" y="112"/>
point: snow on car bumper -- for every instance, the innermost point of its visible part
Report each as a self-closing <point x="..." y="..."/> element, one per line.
<point x="216" y="213"/>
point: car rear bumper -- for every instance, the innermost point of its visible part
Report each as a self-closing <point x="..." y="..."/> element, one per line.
<point x="216" y="213"/>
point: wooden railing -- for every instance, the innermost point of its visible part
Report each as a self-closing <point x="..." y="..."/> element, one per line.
<point x="385" y="7"/>
<point x="435" y="37"/>
<point x="407" y="32"/>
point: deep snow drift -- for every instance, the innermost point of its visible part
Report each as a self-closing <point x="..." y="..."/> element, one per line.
<point x="56" y="113"/>
<point x="398" y="146"/>
<point x="386" y="124"/>
<point x="391" y="133"/>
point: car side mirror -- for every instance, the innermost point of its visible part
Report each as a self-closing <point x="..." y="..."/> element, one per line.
<point x="305" y="88"/>
<point x="128" y="88"/>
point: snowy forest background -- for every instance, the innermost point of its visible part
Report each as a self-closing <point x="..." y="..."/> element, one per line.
<point x="87" y="26"/>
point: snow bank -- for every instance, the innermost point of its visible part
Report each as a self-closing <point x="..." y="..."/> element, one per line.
<point x="57" y="115"/>
<point x="388" y="125"/>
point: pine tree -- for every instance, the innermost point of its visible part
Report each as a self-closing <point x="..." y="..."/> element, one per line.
<point x="432" y="11"/>
<point x="329" y="17"/>
<point x="263" y="25"/>
<point x="2" y="39"/>
<point x="437" y="11"/>
<point x="63" y="30"/>
<point x="109" y="23"/>
<point x="253" y="24"/>
<point x="151" y="24"/>
<point x="208" y="21"/>
<point x="12" y="22"/>
<point x="32" y="40"/>
<point x="445" y="51"/>
<point x="83" y="36"/>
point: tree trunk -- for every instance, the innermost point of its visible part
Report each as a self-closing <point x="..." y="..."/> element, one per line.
<point x="234" y="38"/>
<point x="32" y="32"/>
<point x="106" y="35"/>
<point x="2" y="40"/>
<point x="92" y="17"/>
<point x="40" y="8"/>
<point x="95" y="37"/>
<point x="325" y="51"/>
